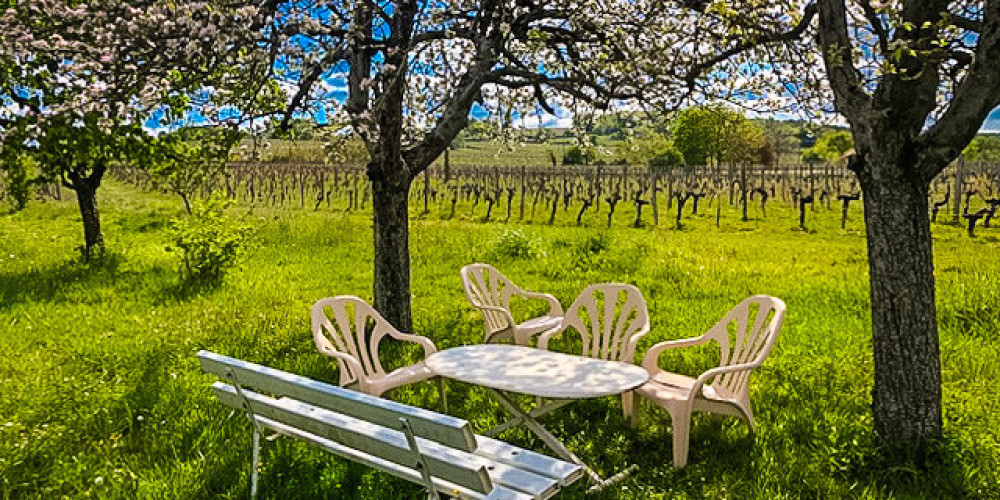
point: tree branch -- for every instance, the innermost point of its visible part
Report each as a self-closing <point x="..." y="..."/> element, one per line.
<point x="966" y="23"/>
<point x="306" y="84"/>
<point x="974" y="98"/>
<point x="793" y="34"/>
<point x="834" y="41"/>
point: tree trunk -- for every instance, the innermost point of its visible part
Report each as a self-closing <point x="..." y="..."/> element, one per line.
<point x="86" y="196"/>
<point x="187" y="202"/>
<point x="390" y="214"/>
<point x="906" y="398"/>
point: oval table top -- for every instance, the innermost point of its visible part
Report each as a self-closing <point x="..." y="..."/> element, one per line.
<point x="536" y="372"/>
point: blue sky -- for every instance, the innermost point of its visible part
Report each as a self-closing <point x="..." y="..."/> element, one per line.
<point x="336" y="90"/>
<point x="992" y="124"/>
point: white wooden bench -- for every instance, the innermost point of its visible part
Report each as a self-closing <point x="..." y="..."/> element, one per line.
<point x="437" y="451"/>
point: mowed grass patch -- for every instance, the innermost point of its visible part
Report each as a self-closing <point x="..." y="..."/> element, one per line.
<point x="101" y="395"/>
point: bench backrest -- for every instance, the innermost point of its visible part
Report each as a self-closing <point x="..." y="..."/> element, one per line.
<point x="358" y="421"/>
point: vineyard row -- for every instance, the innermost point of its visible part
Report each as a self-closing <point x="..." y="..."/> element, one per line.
<point x="522" y="191"/>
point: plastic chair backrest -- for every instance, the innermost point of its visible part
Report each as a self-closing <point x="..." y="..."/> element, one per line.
<point x="757" y="323"/>
<point x="356" y="330"/>
<point x="486" y="286"/>
<point x="607" y="316"/>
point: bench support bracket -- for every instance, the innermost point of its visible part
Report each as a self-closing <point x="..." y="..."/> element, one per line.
<point x="420" y="465"/>
<point x="255" y="456"/>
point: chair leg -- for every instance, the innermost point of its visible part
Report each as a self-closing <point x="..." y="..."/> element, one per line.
<point x="628" y="407"/>
<point x="681" y="422"/>
<point x="442" y="395"/>
<point x="255" y="459"/>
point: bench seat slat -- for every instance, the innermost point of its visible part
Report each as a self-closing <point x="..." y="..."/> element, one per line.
<point x="499" y="473"/>
<point x="560" y="470"/>
<point x="367" y="429"/>
<point x="373" y="439"/>
<point x="452" y="489"/>
<point x="450" y="431"/>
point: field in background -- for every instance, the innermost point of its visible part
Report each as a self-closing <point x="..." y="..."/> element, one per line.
<point x="101" y="396"/>
<point x="470" y="152"/>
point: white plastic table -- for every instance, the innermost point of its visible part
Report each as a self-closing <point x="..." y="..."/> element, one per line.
<point x="545" y="374"/>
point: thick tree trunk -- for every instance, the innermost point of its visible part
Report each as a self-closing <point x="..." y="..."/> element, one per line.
<point x="390" y="209"/>
<point x="86" y="197"/>
<point x="906" y="398"/>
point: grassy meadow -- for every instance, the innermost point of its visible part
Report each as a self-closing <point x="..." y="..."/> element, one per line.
<point x="101" y="395"/>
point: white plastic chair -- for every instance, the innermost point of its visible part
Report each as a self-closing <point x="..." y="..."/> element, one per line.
<point x="490" y="291"/>
<point x="352" y="338"/>
<point x="610" y="318"/>
<point x="724" y="389"/>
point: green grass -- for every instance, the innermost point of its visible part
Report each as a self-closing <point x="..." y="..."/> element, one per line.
<point x="494" y="153"/>
<point x="101" y="396"/>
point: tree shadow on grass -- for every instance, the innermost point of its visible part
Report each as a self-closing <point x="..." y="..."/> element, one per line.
<point x="52" y="284"/>
<point x="185" y="290"/>
<point x="70" y="280"/>
<point x="936" y="471"/>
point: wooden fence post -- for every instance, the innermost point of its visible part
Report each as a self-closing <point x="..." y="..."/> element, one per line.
<point x="427" y="188"/>
<point x="655" y="191"/>
<point x="959" y="170"/>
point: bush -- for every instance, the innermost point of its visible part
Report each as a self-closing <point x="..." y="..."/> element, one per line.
<point x="579" y="156"/>
<point x="209" y="241"/>
<point x="588" y="253"/>
<point x="667" y="160"/>
<point x="19" y="181"/>
<point x="514" y="244"/>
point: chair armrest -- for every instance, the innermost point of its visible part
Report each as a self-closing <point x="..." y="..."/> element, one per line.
<point x="629" y="354"/>
<point x="357" y="372"/>
<point x="416" y="339"/>
<point x="722" y="370"/>
<point x="543" y="340"/>
<point x="555" y="308"/>
<point x="653" y="354"/>
<point x="715" y="372"/>
<point x="506" y="313"/>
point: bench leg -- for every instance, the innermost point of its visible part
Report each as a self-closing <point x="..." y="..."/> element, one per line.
<point x="255" y="459"/>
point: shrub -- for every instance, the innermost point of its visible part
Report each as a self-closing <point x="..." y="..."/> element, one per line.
<point x="579" y="156"/>
<point x="514" y="244"/>
<point x="667" y="159"/>
<point x="594" y="244"/>
<point x="209" y="241"/>
<point x="19" y="181"/>
<point x="588" y="252"/>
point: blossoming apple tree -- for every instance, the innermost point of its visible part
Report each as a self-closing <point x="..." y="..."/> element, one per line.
<point x="407" y="74"/>
<point x="915" y="80"/>
<point x="78" y="80"/>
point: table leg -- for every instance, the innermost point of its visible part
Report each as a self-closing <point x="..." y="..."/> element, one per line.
<point x="537" y="412"/>
<point x="528" y="419"/>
